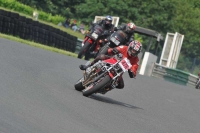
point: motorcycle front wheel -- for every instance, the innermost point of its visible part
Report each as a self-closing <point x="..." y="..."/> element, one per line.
<point x="79" y="86"/>
<point x="94" y="89"/>
<point x="83" y="49"/>
<point x="103" y="50"/>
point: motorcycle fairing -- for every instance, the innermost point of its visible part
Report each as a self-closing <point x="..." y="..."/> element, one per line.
<point x="110" y="61"/>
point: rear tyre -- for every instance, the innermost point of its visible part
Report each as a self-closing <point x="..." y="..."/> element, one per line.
<point x="97" y="87"/>
<point x="83" y="49"/>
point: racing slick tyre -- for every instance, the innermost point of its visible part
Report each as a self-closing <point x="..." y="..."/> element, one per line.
<point x="103" y="50"/>
<point x="79" y="86"/>
<point x="83" y="49"/>
<point x="93" y="89"/>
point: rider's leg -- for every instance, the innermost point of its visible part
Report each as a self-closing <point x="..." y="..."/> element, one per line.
<point x="100" y="57"/>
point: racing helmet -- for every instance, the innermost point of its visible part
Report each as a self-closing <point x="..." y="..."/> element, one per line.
<point x="134" y="48"/>
<point x="108" y="20"/>
<point x="130" y="27"/>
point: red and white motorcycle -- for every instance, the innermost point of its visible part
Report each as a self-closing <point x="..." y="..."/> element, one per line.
<point x="102" y="75"/>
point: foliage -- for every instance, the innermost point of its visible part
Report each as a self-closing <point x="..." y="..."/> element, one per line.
<point x="189" y="64"/>
<point x="62" y="7"/>
<point x="16" y="6"/>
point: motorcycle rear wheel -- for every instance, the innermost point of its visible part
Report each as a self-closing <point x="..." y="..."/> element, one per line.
<point x="97" y="87"/>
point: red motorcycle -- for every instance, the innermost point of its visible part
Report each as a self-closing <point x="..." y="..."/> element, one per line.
<point x="92" y="42"/>
<point x="102" y="75"/>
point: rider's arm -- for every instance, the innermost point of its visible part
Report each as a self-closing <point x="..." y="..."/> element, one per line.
<point x="131" y="38"/>
<point x="120" y="49"/>
<point x="133" y="71"/>
<point x="99" y="22"/>
<point x="121" y="27"/>
<point x="113" y="51"/>
<point x="92" y="25"/>
<point x="116" y="50"/>
<point x="128" y="40"/>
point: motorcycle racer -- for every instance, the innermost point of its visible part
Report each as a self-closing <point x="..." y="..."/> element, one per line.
<point x="128" y="29"/>
<point x="106" y="24"/>
<point x="131" y="52"/>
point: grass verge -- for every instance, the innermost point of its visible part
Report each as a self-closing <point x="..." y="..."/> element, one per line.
<point x="38" y="45"/>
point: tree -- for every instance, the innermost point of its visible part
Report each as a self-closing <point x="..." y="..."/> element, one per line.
<point x="55" y="7"/>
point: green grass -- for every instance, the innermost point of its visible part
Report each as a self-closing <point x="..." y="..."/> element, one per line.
<point x="38" y="45"/>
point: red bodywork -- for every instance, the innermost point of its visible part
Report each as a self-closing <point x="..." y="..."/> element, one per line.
<point x="110" y="61"/>
<point x="91" y="41"/>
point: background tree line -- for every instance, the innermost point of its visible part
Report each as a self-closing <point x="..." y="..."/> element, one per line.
<point x="164" y="16"/>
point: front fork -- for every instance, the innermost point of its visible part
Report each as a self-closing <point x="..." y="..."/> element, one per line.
<point x="86" y="38"/>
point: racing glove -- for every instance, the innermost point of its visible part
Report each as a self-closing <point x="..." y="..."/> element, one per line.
<point x="115" y="29"/>
<point x="131" y="74"/>
<point x="115" y="51"/>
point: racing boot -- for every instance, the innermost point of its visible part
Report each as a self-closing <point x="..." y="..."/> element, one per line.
<point x="83" y="67"/>
<point x="88" y="64"/>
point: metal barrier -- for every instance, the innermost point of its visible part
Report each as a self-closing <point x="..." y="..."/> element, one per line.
<point x="173" y="75"/>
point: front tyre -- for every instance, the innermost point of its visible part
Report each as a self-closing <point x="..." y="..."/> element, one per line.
<point x="87" y="55"/>
<point x="89" y="91"/>
<point x="79" y="86"/>
<point x="83" y="49"/>
<point x="103" y="50"/>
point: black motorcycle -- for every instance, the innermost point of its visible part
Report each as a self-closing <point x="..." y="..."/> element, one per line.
<point x="116" y="39"/>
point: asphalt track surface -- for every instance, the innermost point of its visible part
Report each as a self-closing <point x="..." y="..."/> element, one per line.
<point x="37" y="96"/>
